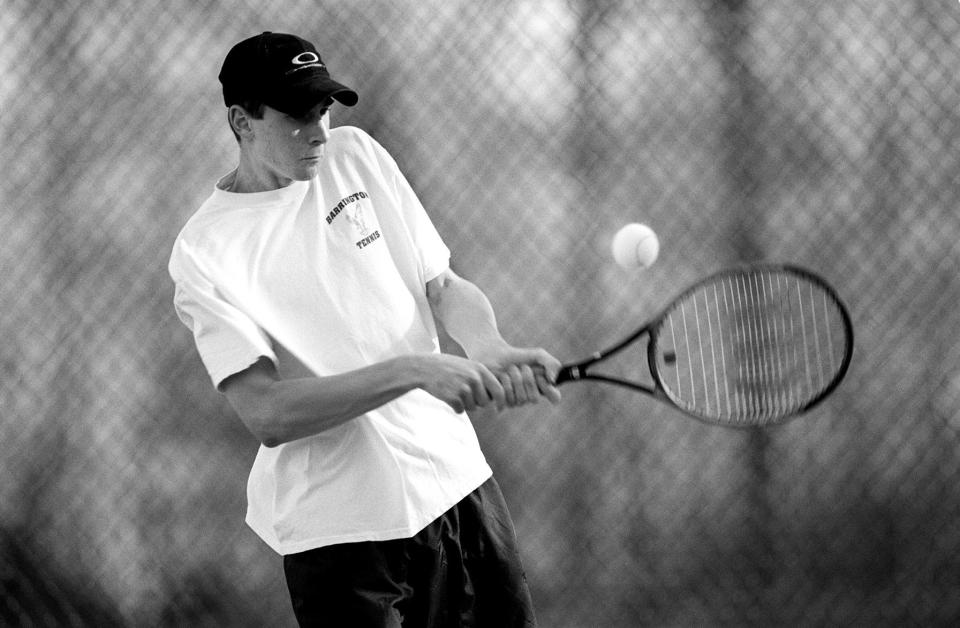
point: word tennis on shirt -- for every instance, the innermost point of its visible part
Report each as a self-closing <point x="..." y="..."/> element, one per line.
<point x="367" y="240"/>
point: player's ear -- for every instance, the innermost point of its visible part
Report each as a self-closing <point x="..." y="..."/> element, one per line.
<point x="239" y="119"/>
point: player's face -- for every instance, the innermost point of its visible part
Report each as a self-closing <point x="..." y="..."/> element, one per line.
<point x="288" y="148"/>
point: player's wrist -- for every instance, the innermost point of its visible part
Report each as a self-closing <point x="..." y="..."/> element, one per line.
<point x="486" y="350"/>
<point x="412" y="371"/>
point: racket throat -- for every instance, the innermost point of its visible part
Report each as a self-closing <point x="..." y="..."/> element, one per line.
<point x="571" y="373"/>
<point x="575" y="372"/>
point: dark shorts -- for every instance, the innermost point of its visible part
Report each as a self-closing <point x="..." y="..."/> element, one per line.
<point x="461" y="570"/>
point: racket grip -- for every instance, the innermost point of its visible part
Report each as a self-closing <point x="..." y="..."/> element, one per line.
<point x="568" y="374"/>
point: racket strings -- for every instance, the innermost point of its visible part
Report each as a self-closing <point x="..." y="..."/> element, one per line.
<point x="751" y="347"/>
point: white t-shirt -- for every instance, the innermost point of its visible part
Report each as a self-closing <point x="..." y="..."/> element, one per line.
<point x="334" y="269"/>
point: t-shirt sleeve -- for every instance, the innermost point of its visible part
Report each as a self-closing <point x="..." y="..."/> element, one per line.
<point x="227" y="340"/>
<point x="433" y="254"/>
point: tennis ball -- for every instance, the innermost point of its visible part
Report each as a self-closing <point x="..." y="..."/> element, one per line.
<point x="635" y="246"/>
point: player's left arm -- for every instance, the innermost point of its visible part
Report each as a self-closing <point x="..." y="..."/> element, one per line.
<point x="465" y="313"/>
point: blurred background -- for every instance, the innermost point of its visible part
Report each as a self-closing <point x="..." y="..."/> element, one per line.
<point x="826" y="134"/>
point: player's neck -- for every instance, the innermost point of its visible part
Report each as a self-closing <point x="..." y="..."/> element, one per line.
<point x="248" y="179"/>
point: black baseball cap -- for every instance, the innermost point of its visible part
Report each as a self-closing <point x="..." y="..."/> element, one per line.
<point x="281" y="71"/>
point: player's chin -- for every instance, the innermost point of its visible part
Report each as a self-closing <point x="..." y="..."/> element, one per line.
<point x="308" y="167"/>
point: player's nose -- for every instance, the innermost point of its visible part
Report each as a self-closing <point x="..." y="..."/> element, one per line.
<point x="319" y="134"/>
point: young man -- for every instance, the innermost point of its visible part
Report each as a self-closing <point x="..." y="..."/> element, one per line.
<point x="313" y="281"/>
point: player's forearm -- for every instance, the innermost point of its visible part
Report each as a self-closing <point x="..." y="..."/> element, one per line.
<point x="466" y="315"/>
<point x="297" y="408"/>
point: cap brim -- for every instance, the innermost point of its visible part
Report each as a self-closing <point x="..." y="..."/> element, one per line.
<point x="345" y="96"/>
<point x="300" y="98"/>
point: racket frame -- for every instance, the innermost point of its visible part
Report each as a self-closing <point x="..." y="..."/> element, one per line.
<point x="577" y="371"/>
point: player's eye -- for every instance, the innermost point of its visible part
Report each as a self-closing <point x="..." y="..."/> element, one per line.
<point x="310" y="117"/>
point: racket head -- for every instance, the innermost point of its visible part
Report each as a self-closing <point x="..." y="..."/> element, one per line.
<point x="753" y="345"/>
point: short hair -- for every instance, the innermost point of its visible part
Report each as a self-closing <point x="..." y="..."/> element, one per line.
<point x="255" y="110"/>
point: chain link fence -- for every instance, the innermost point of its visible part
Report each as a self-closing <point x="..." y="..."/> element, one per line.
<point x="825" y="134"/>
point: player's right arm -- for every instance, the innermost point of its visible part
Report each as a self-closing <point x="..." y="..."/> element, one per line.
<point x="279" y="407"/>
<point x="278" y="410"/>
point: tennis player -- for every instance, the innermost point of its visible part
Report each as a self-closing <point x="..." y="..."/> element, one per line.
<point x="313" y="282"/>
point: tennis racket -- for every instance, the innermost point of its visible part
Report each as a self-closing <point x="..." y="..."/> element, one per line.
<point x="747" y="346"/>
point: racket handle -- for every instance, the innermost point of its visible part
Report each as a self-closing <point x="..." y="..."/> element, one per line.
<point x="568" y="374"/>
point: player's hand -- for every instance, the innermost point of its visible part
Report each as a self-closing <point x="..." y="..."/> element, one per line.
<point x="462" y="384"/>
<point x="526" y="375"/>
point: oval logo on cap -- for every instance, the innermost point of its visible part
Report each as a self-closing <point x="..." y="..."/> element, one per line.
<point x="306" y="57"/>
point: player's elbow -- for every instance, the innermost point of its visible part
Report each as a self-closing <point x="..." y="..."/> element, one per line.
<point x="261" y="423"/>
<point x="259" y="414"/>
<point x="255" y="396"/>
<point x="266" y="430"/>
<point x="269" y="423"/>
<point x="271" y="441"/>
<point x="277" y="419"/>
